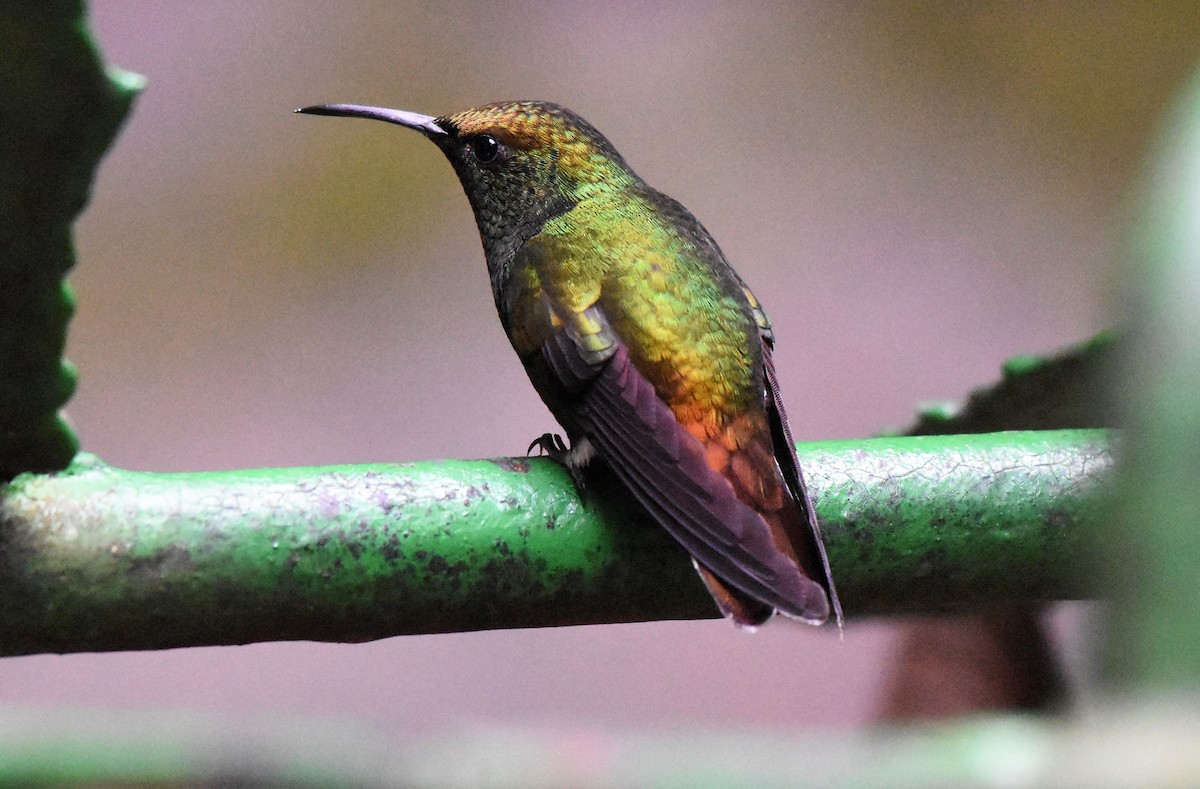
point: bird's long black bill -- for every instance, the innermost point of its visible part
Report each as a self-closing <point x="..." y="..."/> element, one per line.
<point x="426" y="124"/>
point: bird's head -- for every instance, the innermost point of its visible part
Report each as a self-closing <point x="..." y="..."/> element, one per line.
<point x="521" y="163"/>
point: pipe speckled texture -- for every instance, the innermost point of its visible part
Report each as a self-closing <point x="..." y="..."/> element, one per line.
<point x="97" y="558"/>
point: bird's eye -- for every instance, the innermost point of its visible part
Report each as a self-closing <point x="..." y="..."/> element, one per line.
<point x="485" y="147"/>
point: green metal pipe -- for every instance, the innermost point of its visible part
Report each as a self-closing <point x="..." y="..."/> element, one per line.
<point x="97" y="558"/>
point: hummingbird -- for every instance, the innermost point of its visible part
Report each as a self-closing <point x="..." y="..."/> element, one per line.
<point x="647" y="347"/>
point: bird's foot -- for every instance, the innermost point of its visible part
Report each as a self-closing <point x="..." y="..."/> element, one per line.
<point x="551" y="445"/>
<point x="573" y="459"/>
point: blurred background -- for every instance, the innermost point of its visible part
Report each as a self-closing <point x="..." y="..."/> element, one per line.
<point x="915" y="192"/>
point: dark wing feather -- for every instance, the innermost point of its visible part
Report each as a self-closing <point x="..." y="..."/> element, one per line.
<point x="746" y="612"/>
<point x="665" y="468"/>
<point x="789" y="464"/>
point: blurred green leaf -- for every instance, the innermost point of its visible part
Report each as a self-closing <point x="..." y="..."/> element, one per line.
<point x="60" y="107"/>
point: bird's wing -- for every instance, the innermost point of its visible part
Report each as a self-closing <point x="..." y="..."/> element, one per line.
<point x="665" y="468"/>
<point x="812" y="546"/>
<point x="583" y="370"/>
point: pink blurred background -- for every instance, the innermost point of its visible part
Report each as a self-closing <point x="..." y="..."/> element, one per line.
<point x="916" y="194"/>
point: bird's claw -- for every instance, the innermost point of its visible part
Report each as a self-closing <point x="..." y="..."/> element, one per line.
<point x="553" y="447"/>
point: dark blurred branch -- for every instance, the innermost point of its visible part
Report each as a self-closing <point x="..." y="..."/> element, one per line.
<point x="1069" y="389"/>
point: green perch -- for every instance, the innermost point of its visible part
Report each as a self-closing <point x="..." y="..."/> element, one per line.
<point x="97" y="558"/>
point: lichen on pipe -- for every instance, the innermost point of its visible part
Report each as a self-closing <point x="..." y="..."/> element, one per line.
<point x="97" y="558"/>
